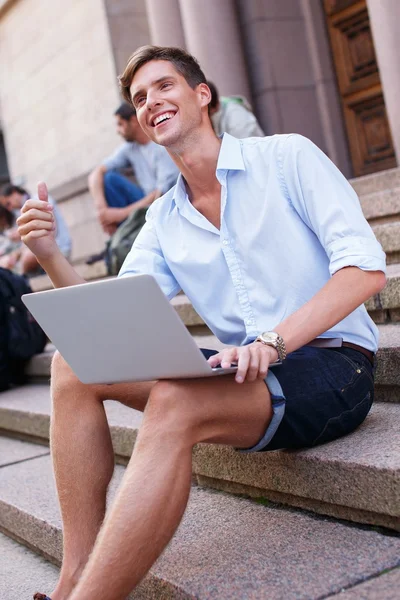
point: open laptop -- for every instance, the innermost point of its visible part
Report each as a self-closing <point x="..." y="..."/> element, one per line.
<point x="119" y="330"/>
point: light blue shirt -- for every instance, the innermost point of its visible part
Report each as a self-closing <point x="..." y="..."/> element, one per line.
<point x="153" y="167"/>
<point x="289" y="221"/>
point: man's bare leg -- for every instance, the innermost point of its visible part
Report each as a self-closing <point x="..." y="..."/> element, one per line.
<point x="83" y="461"/>
<point x="155" y="489"/>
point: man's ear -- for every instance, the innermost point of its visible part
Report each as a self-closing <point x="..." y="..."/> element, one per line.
<point x="205" y="94"/>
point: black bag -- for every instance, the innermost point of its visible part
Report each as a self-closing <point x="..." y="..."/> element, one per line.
<point x="20" y="336"/>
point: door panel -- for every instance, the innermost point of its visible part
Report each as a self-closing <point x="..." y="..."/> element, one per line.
<point x="368" y="130"/>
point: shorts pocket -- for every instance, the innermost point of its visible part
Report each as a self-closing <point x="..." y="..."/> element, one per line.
<point x="357" y="365"/>
<point x="346" y="422"/>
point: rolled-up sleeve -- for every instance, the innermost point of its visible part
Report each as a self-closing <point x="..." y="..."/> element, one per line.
<point x="146" y="257"/>
<point x="119" y="159"/>
<point x="328" y="205"/>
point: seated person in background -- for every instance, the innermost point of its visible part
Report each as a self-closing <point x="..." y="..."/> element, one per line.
<point x="12" y="199"/>
<point x="232" y="114"/>
<point x="114" y="195"/>
<point x="10" y="250"/>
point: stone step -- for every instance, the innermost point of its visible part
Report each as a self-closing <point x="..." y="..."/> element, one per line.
<point x="385" y="306"/>
<point x="382" y="206"/>
<point x="355" y="478"/>
<point x="376" y="182"/>
<point x="23" y="572"/>
<point x="225" y="547"/>
<point x="387" y="377"/>
<point x="388" y="234"/>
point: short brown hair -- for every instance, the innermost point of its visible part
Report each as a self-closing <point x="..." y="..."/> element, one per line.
<point x="183" y="62"/>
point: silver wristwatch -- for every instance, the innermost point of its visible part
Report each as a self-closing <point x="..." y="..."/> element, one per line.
<point x="271" y="338"/>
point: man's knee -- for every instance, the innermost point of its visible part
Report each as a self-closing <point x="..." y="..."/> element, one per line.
<point x="62" y="376"/>
<point x="111" y="180"/>
<point x="171" y="408"/>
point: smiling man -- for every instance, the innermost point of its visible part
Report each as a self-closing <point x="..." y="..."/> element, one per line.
<point x="268" y="240"/>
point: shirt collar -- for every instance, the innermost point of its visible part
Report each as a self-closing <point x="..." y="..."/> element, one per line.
<point x="229" y="159"/>
<point x="230" y="155"/>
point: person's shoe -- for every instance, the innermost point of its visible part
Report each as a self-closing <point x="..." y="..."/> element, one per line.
<point x="96" y="257"/>
<point x="39" y="596"/>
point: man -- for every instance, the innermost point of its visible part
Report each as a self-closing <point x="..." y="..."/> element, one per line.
<point x="267" y="239"/>
<point x="232" y="114"/>
<point x="12" y="198"/>
<point x="114" y="195"/>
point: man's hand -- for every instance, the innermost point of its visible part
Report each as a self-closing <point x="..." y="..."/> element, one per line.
<point x="252" y="360"/>
<point x="36" y="225"/>
<point x="112" y="216"/>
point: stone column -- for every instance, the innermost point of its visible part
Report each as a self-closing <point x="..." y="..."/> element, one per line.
<point x="384" y="19"/>
<point x="213" y="37"/>
<point x="165" y="23"/>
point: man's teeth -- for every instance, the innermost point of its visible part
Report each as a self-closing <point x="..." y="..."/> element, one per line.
<point x="162" y="118"/>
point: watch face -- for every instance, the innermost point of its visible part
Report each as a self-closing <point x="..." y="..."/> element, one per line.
<point x="269" y="336"/>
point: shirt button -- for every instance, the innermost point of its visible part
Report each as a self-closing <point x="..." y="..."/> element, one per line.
<point x="249" y="322"/>
<point x="225" y="242"/>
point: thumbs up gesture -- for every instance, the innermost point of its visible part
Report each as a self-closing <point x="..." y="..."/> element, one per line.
<point x="36" y="224"/>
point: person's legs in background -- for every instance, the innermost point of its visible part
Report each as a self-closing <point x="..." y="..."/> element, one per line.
<point x="119" y="191"/>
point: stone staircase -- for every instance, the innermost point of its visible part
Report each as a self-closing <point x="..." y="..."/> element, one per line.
<point x="262" y="544"/>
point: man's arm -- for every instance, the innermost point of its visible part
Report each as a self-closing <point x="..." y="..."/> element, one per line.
<point x="96" y="187"/>
<point x="341" y="295"/>
<point x="344" y="292"/>
<point x="111" y="216"/>
<point x="36" y="226"/>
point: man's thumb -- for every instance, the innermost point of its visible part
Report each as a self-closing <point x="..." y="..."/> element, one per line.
<point x="42" y="191"/>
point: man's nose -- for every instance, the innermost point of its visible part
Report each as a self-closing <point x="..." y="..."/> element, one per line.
<point x="153" y="99"/>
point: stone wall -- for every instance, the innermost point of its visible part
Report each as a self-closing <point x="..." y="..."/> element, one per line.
<point x="58" y="90"/>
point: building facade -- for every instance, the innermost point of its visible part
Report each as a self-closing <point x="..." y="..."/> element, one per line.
<point x="323" y="68"/>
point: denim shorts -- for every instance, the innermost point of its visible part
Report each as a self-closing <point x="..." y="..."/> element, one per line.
<point x="318" y="395"/>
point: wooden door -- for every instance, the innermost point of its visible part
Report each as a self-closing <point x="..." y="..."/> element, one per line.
<point x="368" y="130"/>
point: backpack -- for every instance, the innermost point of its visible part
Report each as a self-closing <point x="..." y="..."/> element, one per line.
<point x="122" y="240"/>
<point x="20" y="336"/>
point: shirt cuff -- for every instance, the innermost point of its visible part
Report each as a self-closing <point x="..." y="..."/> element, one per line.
<point x="356" y="251"/>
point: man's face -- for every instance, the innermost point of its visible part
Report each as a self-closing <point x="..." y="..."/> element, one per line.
<point x="127" y="128"/>
<point x="12" y="202"/>
<point x="167" y="108"/>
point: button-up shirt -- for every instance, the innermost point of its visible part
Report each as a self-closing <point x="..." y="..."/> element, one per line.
<point x="289" y="221"/>
<point x="153" y="167"/>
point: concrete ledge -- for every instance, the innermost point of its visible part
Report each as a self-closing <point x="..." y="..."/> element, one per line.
<point x="88" y="272"/>
<point x="220" y="548"/>
<point x="316" y="506"/>
<point x="70" y="189"/>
